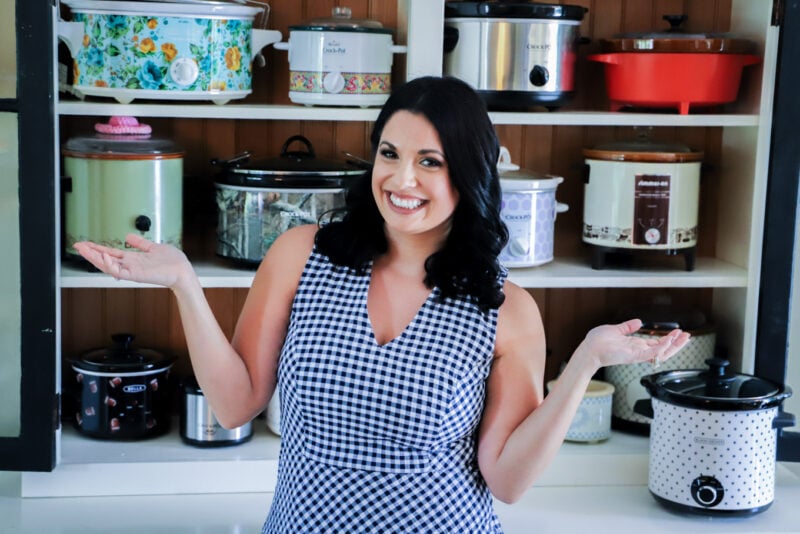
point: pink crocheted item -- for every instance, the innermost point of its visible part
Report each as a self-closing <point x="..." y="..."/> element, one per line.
<point x="118" y="125"/>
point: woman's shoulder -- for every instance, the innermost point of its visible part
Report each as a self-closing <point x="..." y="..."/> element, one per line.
<point x="518" y="317"/>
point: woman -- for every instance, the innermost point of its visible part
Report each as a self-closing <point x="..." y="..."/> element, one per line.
<point x="410" y="368"/>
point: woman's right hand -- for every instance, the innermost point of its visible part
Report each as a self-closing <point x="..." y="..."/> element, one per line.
<point x="146" y="262"/>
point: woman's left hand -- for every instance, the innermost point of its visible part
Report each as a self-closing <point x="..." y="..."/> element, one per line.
<point x="614" y="345"/>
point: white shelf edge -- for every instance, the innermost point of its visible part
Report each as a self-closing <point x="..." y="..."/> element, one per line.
<point x="322" y="113"/>
<point x="165" y="465"/>
<point x="560" y="273"/>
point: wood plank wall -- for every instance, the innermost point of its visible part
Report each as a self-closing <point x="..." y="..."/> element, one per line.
<point x="90" y="316"/>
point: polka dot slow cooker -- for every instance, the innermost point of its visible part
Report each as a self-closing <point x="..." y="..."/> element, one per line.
<point x="713" y="439"/>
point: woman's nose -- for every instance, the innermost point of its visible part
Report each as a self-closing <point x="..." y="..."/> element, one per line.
<point x="406" y="175"/>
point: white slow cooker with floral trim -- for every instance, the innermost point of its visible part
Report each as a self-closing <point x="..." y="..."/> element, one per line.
<point x="340" y="61"/>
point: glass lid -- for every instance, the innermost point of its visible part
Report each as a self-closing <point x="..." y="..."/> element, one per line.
<point x="121" y="137"/>
<point x="122" y="358"/>
<point x="342" y="20"/>
<point x="715" y="388"/>
<point x="675" y="40"/>
<point x="643" y="149"/>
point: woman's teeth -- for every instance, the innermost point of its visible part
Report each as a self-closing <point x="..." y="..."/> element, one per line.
<point x="409" y="203"/>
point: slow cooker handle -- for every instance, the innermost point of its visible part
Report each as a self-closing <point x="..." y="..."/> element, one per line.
<point x="235" y="161"/>
<point x="309" y="153"/>
<point x="644" y="407"/>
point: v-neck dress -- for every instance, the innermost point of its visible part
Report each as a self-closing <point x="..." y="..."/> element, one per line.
<point x="380" y="438"/>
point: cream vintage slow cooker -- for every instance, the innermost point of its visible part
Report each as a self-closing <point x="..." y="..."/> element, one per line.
<point x="641" y="195"/>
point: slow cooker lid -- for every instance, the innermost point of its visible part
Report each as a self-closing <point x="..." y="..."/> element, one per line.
<point x="342" y="20"/>
<point x="715" y="388"/>
<point x="642" y="149"/>
<point x="523" y="180"/>
<point x="122" y="137"/>
<point x="514" y="10"/>
<point x="675" y="40"/>
<point x="122" y="358"/>
<point x="200" y="8"/>
<point x="292" y="168"/>
<point x="662" y="318"/>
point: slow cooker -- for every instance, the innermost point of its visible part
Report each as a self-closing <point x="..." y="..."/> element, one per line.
<point x="657" y="321"/>
<point x="176" y="50"/>
<point x="340" y="61"/>
<point x="199" y="425"/>
<point x="713" y="439"/>
<point x="529" y="211"/>
<point x="121" y="180"/>
<point x="122" y="392"/>
<point x="258" y="201"/>
<point x="674" y="70"/>
<point x="641" y="195"/>
<point x="517" y="55"/>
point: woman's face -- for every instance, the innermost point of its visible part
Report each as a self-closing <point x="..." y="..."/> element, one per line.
<point x="411" y="179"/>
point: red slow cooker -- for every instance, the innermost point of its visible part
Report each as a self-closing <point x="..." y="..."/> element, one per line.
<point x="673" y="69"/>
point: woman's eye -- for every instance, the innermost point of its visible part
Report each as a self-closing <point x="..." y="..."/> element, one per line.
<point x="431" y="162"/>
<point x="387" y="153"/>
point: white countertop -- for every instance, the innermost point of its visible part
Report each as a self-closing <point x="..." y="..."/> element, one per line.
<point x="544" y="509"/>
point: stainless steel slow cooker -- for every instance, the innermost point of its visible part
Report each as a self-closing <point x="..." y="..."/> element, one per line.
<point x="120" y="181"/>
<point x="122" y="392"/>
<point x="199" y="425"/>
<point x="713" y="439"/>
<point x="258" y="201"/>
<point x="641" y="195"/>
<point x="517" y="55"/>
<point x="340" y="61"/>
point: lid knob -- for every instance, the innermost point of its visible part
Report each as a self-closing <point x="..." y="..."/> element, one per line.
<point x="675" y="22"/>
<point x="122" y="125"/>
<point x="341" y="12"/>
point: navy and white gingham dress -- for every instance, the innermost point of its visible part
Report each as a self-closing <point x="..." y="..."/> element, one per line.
<point x="380" y="438"/>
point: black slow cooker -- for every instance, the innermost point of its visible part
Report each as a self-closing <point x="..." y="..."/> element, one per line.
<point x="122" y="392"/>
<point x="258" y="201"/>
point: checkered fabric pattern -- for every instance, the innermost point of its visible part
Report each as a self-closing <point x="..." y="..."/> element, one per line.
<point x="380" y="438"/>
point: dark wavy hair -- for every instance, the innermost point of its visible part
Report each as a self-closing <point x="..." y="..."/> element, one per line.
<point x="467" y="263"/>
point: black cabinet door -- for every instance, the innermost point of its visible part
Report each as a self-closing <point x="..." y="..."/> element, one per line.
<point x="775" y="306"/>
<point x="28" y="260"/>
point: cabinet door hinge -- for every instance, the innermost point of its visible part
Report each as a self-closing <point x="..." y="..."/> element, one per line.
<point x="57" y="411"/>
<point x="777" y="12"/>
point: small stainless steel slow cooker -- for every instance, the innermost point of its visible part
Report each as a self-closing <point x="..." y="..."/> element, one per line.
<point x="657" y="321"/>
<point x="199" y="425"/>
<point x="529" y="211"/>
<point x="713" y="439"/>
<point x="122" y="181"/>
<point x="122" y="392"/>
<point x="515" y="54"/>
<point x="256" y="202"/>
<point x="340" y="61"/>
<point x="641" y="195"/>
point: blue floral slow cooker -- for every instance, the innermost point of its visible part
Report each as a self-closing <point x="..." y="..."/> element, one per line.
<point x="163" y="50"/>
